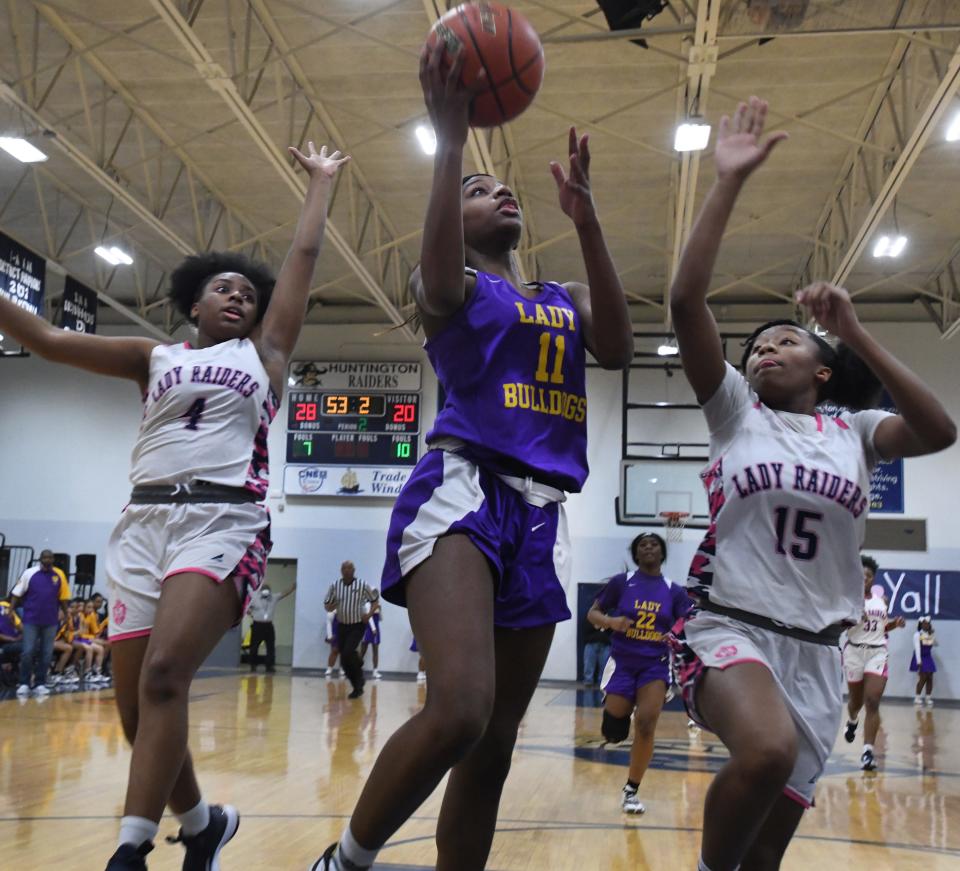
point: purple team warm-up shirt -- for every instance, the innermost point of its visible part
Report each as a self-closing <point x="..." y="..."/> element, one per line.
<point x="653" y="604"/>
<point x="514" y="373"/>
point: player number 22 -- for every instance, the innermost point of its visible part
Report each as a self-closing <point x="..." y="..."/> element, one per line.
<point x="805" y="542"/>
<point x="646" y="620"/>
<point x="555" y="376"/>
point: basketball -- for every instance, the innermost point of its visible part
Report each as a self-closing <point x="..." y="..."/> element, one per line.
<point x="501" y="42"/>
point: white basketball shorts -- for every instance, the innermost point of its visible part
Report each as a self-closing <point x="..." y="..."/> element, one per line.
<point x="861" y="659"/>
<point x="153" y="542"/>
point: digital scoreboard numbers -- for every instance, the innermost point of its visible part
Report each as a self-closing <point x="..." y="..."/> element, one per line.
<point x="358" y="449"/>
<point x="353" y="412"/>
<point x="353" y="429"/>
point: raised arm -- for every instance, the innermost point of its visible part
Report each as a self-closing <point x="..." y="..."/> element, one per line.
<point x="288" y="304"/>
<point x="600" y="303"/>
<point x="922" y="425"/>
<point x="442" y="287"/>
<point x="286" y="593"/>
<point x="738" y="153"/>
<point x="119" y="356"/>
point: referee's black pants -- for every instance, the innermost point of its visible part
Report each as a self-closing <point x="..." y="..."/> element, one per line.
<point x="262" y="632"/>
<point x="349" y="636"/>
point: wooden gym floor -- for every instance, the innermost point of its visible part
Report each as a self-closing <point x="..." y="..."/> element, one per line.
<point x="292" y="754"/>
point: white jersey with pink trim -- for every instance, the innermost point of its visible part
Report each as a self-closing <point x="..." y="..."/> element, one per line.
<point x="788" y="495"/>
<point x="871" y="628"/>
<point x="206" y="416"/>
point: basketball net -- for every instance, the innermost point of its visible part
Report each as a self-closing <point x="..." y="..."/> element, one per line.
<point x="674" y="521"/>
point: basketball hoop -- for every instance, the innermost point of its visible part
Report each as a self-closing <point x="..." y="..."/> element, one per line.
<point x="674" y="521"/>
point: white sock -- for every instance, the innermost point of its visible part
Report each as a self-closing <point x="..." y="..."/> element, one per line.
<point x="852" y="722"/>
<point x="136" y="830"/>
<point x="196" y="819"/>
<point x="351" y="856"/>
<point x="867" y="747"/>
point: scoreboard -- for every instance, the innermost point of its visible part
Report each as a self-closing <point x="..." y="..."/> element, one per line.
<point x="369" y="429"/>
<point x="352" y="428"/>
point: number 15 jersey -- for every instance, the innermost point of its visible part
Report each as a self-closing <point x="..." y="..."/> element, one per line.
<point x="514" y="373"/>
<point x="789" y="495"/>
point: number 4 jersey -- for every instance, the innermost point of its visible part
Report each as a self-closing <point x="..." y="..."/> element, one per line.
<point x="789" y="495"/>
<point x="206" y="414"/>
<point x="513" y="370"/>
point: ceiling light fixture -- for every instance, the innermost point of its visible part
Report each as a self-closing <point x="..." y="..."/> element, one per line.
<point x="692" y="135"/>
<point x="668" y="349"/>
<point x="114" y="255"/>
<point x="21" y="149"/>
<point x="953" y="131"/>
<point x="427" y="139"/>
<point x="889" y="246"/>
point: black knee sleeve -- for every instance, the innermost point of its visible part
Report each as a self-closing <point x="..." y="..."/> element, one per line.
<point x="615" y="729"/>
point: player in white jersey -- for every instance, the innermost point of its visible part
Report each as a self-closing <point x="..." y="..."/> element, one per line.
<point x="788" y="493"/>
<point x="194" y="539"/>
<point x="865" y="663"/>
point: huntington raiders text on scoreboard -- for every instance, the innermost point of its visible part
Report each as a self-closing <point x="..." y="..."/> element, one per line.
<point x="353" y="428"/>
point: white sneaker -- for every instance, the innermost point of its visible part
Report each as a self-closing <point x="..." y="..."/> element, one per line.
<point x="343" y="674"/>
<point x="421" y="677"/>
<point x="630" y="802"/>
<point x="328" y="673"/>
<point x="929" y="701"/>
<point x="918" y="700"/>
<point x="23" y="691"/>
<point x="41" y="691"/>
<point x="376" y="674"/>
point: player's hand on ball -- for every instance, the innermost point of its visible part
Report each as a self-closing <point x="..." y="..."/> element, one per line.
<point x="320" y="163"/>
<point x="739" y="150"/>
<point x="831" y="307"/>
<point x="446" y="97"/>
<point x="620" y="624"/>
<point x="576" y="198"/>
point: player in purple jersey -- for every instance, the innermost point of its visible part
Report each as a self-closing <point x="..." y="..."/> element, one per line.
<point x="788" y="491"/>
<point x="640" y="610"/>
<point x="477" y="538"/>
<point x="192" y="542"/>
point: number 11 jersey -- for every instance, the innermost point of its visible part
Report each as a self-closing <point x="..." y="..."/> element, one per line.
<point x="789" y="496"/>
<point x="513" y="370"/>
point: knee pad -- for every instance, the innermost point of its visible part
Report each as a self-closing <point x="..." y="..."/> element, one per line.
<point x="615" y="729"/>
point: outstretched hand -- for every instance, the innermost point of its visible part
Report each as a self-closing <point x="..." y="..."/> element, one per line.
<point x="831" y="307"/>
<point x="320" y="163"/>
<point x="739" y="149"/>
<point x="576" y="199"/>
<point x="446" y="97"/>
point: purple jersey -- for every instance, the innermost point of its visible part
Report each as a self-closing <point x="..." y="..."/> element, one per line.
<point x="514" y="373"/>
<point x="653" y="603"/>
<point x="41" y="592"/>
<point x="9" y="622"/>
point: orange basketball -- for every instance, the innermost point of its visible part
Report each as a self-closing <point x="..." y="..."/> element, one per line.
<point x="503" y="44"/>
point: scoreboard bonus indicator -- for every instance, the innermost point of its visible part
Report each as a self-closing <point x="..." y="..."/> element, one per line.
<point x="352" y="428"/>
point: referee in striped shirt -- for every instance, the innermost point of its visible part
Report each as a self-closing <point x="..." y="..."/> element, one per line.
<point x="347" y="598"/>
